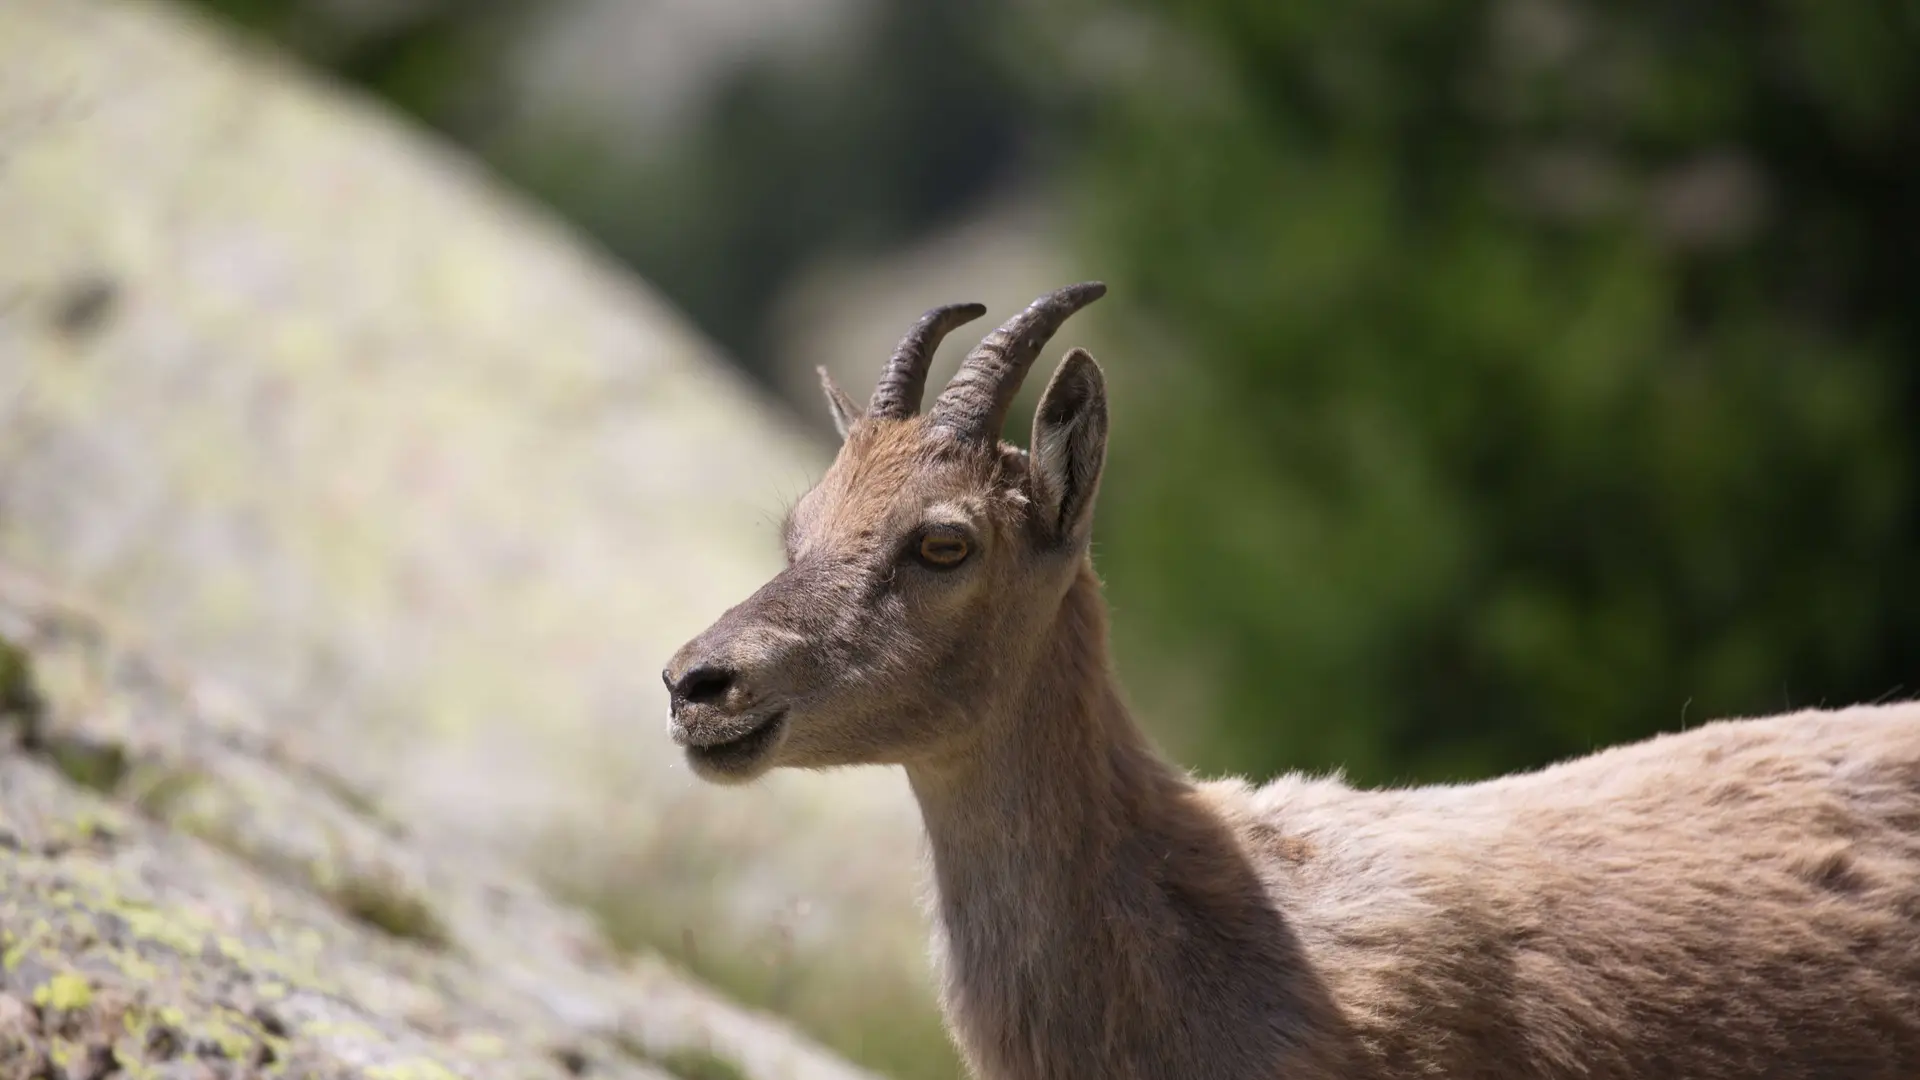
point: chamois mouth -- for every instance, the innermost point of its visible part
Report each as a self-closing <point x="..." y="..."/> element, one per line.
<point x="736" y="758"/>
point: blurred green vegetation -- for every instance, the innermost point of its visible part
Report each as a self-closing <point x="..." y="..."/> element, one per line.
<point x="1540" y="373"/>
<point x="1536" y="374"/>
<point x="1545" y="377"/>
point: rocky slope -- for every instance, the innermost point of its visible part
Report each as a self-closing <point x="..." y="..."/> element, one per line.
<point x="295" y="391"/>
<point x="181" y="895"/>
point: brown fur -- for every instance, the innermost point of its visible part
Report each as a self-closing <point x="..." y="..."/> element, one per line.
<point x="1738" y="901"/>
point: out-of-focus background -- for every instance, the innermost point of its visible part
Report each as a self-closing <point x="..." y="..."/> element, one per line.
<point x="1501" y="377"/>
<point x="1493" y="381"/>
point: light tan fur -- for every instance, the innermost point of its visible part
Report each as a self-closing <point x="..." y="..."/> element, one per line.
<point x="1741" y="900"/>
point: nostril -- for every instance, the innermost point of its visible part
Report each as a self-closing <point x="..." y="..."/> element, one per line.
<point x="703" y="684"/>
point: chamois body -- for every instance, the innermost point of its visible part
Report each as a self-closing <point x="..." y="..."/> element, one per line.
<point x="1737" y="901"/>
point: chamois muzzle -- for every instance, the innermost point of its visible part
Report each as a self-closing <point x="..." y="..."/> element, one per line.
<point x="718" y="696"/>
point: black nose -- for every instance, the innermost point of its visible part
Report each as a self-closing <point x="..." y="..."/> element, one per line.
<point x="701" y="684"/>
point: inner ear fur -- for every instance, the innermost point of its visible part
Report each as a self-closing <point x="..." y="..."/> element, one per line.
<point x="1070" y="445"/>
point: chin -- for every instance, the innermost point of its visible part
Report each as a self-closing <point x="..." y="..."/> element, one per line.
<point x="743" y="759"/>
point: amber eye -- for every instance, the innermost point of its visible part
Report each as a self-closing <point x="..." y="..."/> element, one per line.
<point x="943" y="550"/>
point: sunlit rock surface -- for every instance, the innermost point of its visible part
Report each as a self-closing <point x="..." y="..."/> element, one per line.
<point x="182" y="893"/>
<point x="302" y="400"/>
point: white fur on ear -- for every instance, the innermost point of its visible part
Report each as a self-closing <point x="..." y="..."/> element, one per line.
<point x="844" y="410"/>
<point x="1070" y="444"/>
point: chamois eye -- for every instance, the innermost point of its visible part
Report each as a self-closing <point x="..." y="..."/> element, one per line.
<point x="943" y="550"/>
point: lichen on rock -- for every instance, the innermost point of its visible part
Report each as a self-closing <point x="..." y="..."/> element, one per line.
<point x="299" y="393"/>
<point x="257" y="923"/>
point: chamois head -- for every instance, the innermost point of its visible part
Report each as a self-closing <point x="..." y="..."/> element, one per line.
<point x="922" y="570"/>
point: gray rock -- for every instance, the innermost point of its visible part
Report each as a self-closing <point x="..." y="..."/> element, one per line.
<point x="212" y="906"/>
<point x="308" y="405"/>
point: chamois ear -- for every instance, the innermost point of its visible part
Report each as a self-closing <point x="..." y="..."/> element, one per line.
<point x="1070" y="446"/>
<point x="845" y="412"/>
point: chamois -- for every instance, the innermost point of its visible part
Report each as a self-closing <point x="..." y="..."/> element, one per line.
<point x="1741" y="900"/>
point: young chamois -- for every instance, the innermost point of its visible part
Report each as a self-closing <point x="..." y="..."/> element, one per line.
<point x="1741" y="900"/>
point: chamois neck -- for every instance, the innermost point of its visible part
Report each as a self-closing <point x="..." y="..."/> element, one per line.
<point x="1096" y="917"/>
<point x="1058" y="769"/>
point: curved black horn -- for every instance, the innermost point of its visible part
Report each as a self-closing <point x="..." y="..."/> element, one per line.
<point x="905" y="379"/>
<point x="974" y="404"/>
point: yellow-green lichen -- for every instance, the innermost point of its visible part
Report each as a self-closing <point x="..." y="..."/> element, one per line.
<point x="66" y="1054"/>
<point x="415" y="1068"/>
<point x="155" y="927"/>
<point x="483" y="1044"/>
<point x="66" y="992"/>
<point x="229" y="1031"/>
<point x="218" y="1031"/>
<point x="137" y="968"/>
<point x="148" y="1032"/>
<point x="131" y="1067"/>
<point x="41" y="930"/>
<point x="339" y="1029"/>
